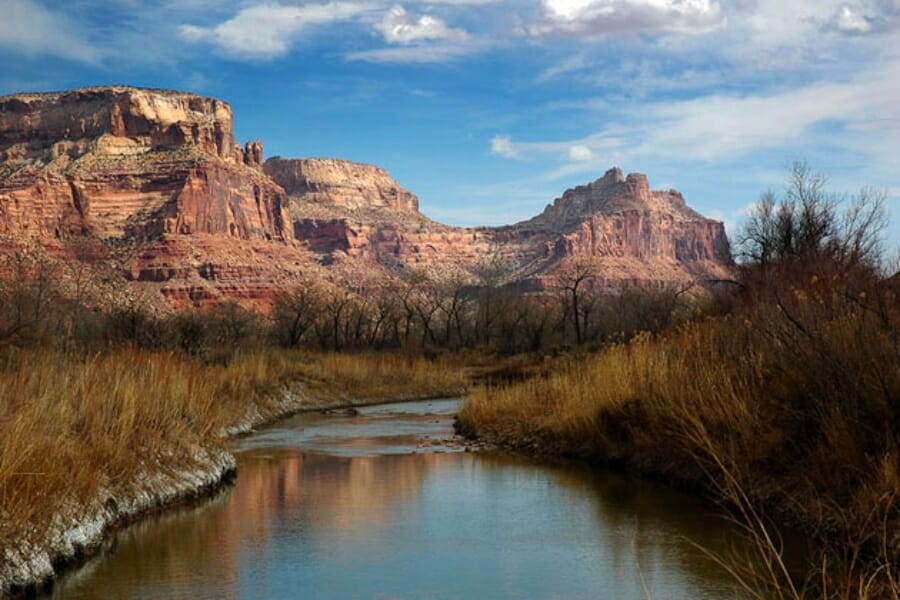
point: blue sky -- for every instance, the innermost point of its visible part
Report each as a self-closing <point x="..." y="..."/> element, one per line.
<point x="489" y="109"/>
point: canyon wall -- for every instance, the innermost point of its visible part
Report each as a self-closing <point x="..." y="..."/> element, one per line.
<point x="633" y="234"/>
<point x="207" y="219"/>
<point x="341" y="183"/>
<point x="158" y="170"/>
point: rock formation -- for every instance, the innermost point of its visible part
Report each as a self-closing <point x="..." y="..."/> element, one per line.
<point x="253" y="154"/>
<point x="159" y="169"/>
<point x="634" y="235"/>
<point x="341" y="183"/>
<point x="209" y="220"/>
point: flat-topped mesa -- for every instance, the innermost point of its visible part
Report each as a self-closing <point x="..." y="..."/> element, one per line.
<point x="122" y="161"/>
<point x="339" y="182"/>
<point x="114" y="120"/>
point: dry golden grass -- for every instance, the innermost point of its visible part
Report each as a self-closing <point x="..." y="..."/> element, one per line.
<point x="71" y="425"/>
<point x="377" y="376"/>
<point x="791" y="411"/>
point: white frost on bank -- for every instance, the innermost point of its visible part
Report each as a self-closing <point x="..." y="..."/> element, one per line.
<point x="290" y="401"/>
<point x="80" y="528"/>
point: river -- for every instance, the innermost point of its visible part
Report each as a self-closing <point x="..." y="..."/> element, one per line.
<point x="384" y="504"/>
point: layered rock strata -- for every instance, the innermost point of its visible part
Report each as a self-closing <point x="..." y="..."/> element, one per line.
<point x="158" y="169"/>
<point x="341" y="183"/>
<point x="633" y="234"/>
<point x="207" y="219"/>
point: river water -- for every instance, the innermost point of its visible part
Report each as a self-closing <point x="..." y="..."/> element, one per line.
<point x="385" y="505"/>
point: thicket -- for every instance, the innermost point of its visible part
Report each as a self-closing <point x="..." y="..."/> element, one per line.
<point x="52" y="300"/>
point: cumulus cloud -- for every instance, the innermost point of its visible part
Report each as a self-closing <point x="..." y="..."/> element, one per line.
<point x="269" y="30"/>
<point x="28" y="27"/>
<point x="400" y="27"/>
<point x="865" y="17"/>
<point x="849" y="20"/>
<point x="600" y="19"/>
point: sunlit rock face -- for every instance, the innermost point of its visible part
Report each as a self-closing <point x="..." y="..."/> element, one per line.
<point x="111" y="121"/>
<point x="210" y="220"/>
<point x="340" y="183"/>
<point x="633" y="234"/>
<point x="124" y="160"/>
<point x="158" y="169"/>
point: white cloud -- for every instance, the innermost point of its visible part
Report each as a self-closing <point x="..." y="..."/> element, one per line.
<point x="269" y="30"/>
<point x="458" y="2"/>
<point x="591" y="149"/>
<point x="600" y="19"/>
<point x="27" y="27"/>
<point x="860" y="115"/>
<point x="866" y="17"/>
<point x="572" y="64"/>
<point x="580" y="153"/>
<point x="503" y="146"/>
<point x="432" y="53"/>
<point x="849" y="20"/>
<point x="400" y="27"/>
<point x="717" y="125"/>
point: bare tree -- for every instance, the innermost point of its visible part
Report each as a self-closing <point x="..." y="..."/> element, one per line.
<point x="29" y="291"/>
<point x="806" y="223"/>
<point x="572" y="279"/>
<point x="491" y="273"/>
<point x="295" y="312"/>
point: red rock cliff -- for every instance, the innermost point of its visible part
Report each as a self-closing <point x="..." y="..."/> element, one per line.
<point x="634" y="234"/>
<point x="148" y="166"/>
<point x="46" y="126"/>
<point x="622" y="221"/>
<point x="340" y="183"/>
<point x="161" y="170"/>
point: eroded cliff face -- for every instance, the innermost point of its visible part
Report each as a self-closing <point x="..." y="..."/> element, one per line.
<point x="341" y="183"/>
<point x="158" y="169"/>
<point x="209" y="220"/>
<point x="113" y="121"/>
<point x="633" y="234"/>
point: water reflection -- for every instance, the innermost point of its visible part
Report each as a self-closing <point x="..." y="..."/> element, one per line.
<point x="302" y="524"/>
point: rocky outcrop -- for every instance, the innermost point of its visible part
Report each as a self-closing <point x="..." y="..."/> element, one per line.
<point x="111" y="120"/>
<point x="341" y="183"/>
<point x="158" y="169"/>
<point x="118" y="161"/>
<point x="209" y="220"/>
<point x="633" y="234"/>
<point x="253" y="154"/>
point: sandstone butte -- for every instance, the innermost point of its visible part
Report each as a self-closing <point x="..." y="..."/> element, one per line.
<point x="204" y="219"/>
